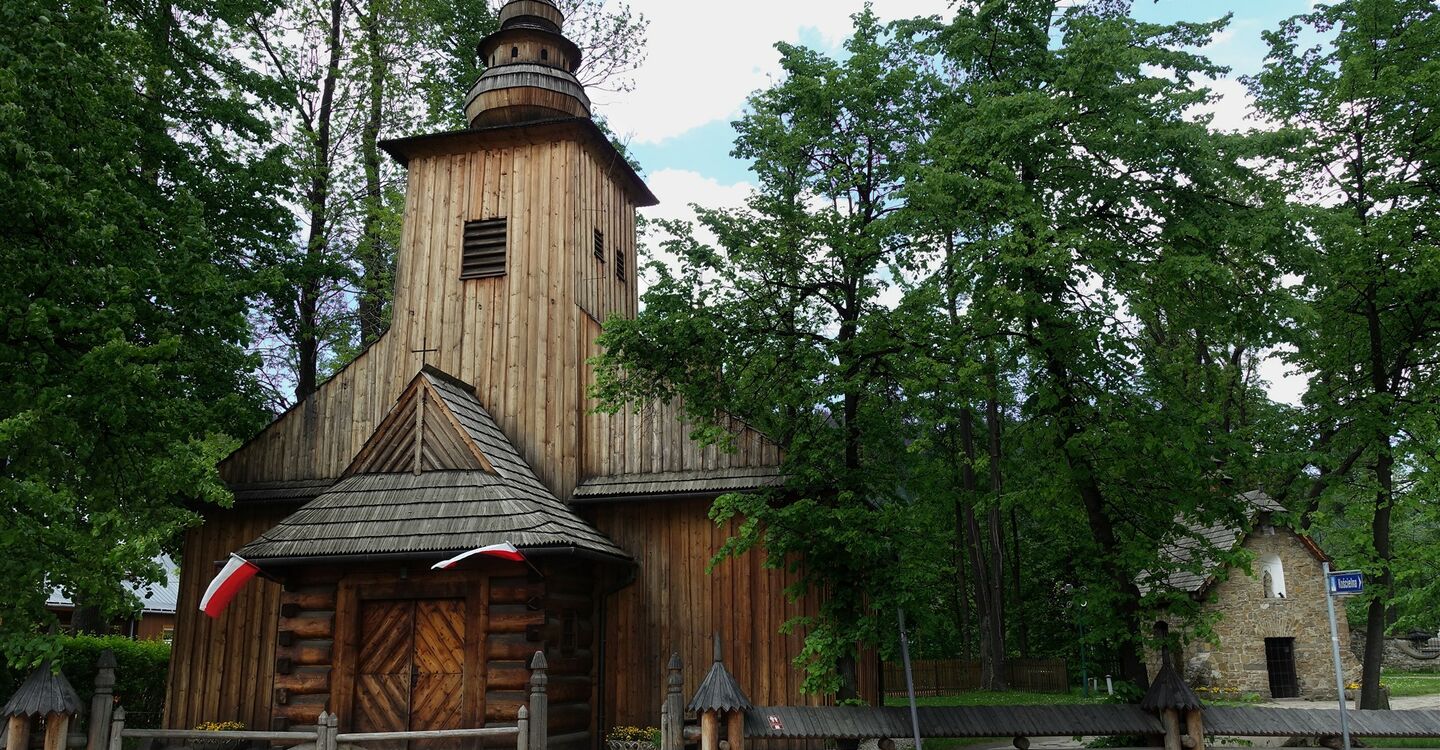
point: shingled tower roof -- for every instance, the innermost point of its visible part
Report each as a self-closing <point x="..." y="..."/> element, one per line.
<point x="44" y="692"/>
<point x="529" y="69"/>
<point x="719" y="691"/>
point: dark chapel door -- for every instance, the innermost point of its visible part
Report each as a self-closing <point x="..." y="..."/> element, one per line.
<point x="410" y="666"/>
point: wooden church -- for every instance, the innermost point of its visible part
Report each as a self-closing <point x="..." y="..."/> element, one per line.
<point x="467" y="424"/>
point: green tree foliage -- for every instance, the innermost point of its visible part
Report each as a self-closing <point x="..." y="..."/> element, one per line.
<point x="1001" y="247"/>
<point x="1357" y="116"/>
<point x="782" y="322"/>
<point x="1111" y="247"/>
<point x="135" y="186"/>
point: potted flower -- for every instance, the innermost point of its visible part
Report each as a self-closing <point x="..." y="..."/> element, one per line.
<point x="633" y="738"/>
<point x="219" y="742"/>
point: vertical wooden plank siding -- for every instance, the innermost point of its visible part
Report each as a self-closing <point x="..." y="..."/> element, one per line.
<point x="675" y="606"/>
<point x="523" y="339"/>
<point x="222" y="670"/>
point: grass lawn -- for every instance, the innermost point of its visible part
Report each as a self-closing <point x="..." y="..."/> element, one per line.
<point x="1409" y="684"/>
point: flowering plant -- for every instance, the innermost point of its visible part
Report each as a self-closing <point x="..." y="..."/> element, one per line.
<point x="220" y="726"/>
<point x="628" y="734"/>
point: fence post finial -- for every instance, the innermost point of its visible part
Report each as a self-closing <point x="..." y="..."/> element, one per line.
<point x="102" y="705"/>
<point x="117" y="725"/>
<point x="522" y="729"/>
<point x="672" y="712"/>
<point x="539" y="703"/>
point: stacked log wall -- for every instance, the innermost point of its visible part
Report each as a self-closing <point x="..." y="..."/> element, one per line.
<point x="305" y="648"/>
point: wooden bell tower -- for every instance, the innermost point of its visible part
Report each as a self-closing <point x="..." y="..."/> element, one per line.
<point x="519" y="241"/>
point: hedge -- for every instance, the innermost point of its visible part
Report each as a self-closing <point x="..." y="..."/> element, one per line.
<point x="140" y="673"/>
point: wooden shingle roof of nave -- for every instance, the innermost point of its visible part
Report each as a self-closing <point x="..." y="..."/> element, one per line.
<point x="292" y="491"/>
<point x="677" y="483"/>
<point x="435" y="512"/>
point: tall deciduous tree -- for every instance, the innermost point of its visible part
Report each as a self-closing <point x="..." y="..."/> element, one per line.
<point x="1359" y="116"/>
<point x="783" y="323"/>
<point x="135" y="188"/>
<point x="1115" y="248"/>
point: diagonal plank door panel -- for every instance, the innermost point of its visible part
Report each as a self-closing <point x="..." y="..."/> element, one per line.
<point x="438" y="688"/>
<point x="383" y="665"/>
<point x="410" y="669"/>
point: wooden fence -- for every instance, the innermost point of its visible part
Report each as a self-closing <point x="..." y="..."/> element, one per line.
<point x="530" y="732"/>
<point x="946" y="676"/>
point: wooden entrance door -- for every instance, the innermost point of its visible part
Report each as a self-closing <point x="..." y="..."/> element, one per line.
<point x="410" y="666"/>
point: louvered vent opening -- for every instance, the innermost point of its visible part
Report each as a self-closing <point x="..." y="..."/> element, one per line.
<point x="483" y="256"/>
<point x="620" y="264"/>
<point x="599" y="246"/>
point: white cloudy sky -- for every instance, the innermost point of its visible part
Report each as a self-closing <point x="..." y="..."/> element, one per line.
<point x="704" y="58"/>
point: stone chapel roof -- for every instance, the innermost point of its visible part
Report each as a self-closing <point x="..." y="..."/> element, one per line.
<point x="1202" y="541"/>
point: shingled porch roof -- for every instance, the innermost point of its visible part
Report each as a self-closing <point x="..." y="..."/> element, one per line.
<point x="475" y="490"/>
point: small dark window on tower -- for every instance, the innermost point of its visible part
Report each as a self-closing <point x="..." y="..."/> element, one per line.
<point x="544" y="54"/>
<point x="599" y="246"/>
<point x="514" y="52"/>
<point x="483" y="253"/>
<point x="620" y="264"/>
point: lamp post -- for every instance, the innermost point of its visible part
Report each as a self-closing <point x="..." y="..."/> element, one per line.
<point x="1080" y="624"/>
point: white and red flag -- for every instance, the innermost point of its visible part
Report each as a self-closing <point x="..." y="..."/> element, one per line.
<point x="227" y="584"/>
<point x="503" y="550"/>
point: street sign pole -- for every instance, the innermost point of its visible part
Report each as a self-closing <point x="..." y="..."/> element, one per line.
<point x="1330" y="592"/>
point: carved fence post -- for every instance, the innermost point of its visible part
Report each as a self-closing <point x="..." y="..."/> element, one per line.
<point x="539" y="703"/>
<point x="672" y="711"/>
<point x="522" y="725"/>
<point x="321" y="743"/>
<point x="1170" y="698"/>
<point x="1195" y="727"/>
<point x="103" y="704"/>
<point x="332" y="731"/>
<point x="117" y="725"/>
<point x="720" y="695"/>
<point x="18" y="735"/>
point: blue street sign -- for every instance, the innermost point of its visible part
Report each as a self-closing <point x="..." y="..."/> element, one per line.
<point x="1347" y="583"/>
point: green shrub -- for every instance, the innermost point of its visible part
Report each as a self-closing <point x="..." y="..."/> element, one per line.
<point x="140" y="673"/>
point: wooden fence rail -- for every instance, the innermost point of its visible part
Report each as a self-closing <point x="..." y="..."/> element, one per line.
<point x="945" y="676"/>
<point x="529" y="732"/>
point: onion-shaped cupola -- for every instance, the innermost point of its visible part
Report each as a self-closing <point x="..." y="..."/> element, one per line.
<point x="530" y="69"/>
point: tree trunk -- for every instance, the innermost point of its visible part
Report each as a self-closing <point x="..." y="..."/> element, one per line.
<point x="992" y="648"/>
<point x="374" y="250"/>
<point x="307" y="340"/>
<point x="1022" y="628"/>
<point x="1376" y="615"/>
<point x="996" y="561"/>
<point x="86" y="619"/>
